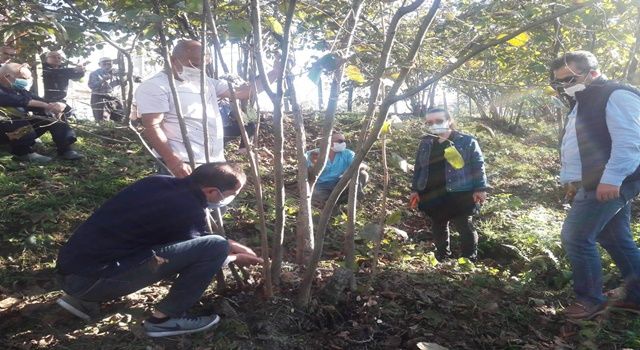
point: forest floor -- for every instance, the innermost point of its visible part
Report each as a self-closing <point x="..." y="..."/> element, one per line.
<point x="511" y="298"/>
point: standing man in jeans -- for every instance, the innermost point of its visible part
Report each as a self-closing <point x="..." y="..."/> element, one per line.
<point x="600" y="155"/>
<point x="101" y="82"/>
<point x="153" y="230"/>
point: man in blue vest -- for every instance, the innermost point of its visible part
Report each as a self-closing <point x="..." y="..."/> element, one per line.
<point x="600" y="156"/>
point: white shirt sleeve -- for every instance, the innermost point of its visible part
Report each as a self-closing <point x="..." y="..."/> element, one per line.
<point x="623" y="121"/>
<point x="220" y="86"/>
<point x="152" y="98"/>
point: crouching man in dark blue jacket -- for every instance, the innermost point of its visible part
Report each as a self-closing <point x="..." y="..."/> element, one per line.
<point x="153" y="230"/>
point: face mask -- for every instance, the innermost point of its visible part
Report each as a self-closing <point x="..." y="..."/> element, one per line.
<point x="339" y="147"/>
<point x="223" y="203"/>
<point x="571" y="90"/>
<point x="190" y="74"/>
<point x="440" y="128"/>
<point x="21" y="84"/>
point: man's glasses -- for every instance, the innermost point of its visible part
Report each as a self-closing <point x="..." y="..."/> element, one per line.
<point x="564" y="82"/>
<point x="340" y="141"/>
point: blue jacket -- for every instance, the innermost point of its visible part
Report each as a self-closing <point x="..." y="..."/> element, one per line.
<point x="471" y="177"/>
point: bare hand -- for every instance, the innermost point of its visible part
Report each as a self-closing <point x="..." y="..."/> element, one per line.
<point x="56" y="107"/>
<point x="247" y="259"/>
<point x="179" y="168"/>
<point x="314" y="157"/>
<point x="479" y="197"/>
<point x="237" y="248"/>
<point x="606" y="192"/>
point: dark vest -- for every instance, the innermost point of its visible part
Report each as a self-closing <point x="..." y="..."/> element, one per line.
<point x="594" y="140"/>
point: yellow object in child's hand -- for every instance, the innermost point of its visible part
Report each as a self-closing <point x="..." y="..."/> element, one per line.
<point x="454" y="157"/>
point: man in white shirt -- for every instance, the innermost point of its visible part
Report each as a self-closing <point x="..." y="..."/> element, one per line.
<point x="159" y="118"/>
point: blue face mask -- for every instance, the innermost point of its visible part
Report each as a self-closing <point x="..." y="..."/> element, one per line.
<point x="21" y="84"/>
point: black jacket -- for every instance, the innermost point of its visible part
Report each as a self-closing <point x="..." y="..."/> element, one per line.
<point x="56" y="81"/>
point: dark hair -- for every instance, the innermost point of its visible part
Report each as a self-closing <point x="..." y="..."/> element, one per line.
<point x="452" y="123"/>
<point x="437" y="110"/>
<point x="584" y="60"/>
<point x="222" y="175"/>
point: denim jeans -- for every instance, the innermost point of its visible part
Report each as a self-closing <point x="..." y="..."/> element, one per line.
<point x="195" y="261"/>
<point x="608" y="223"/>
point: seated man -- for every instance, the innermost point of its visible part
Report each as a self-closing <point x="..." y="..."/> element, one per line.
<point x="153" y="230"/>
<point x="19" y="129"/>
<point x="339" y="160"/>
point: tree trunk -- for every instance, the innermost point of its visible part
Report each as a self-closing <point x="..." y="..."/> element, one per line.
<point x="255" y="167"/>
<point x="350" y="98"/>
<point x="305" y="287"/>
<point x="432" y="94"/>
<point x="304" y="222"/>
<point x="383" y="210"/>
<point x="320" y="92"/>
<point x="276" y="99"/>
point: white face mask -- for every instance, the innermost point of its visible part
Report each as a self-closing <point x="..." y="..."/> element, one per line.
<point x="190" y="74"/>
<point x="223" y="203"/>
<point x="339" y="147"/>
<point x="571" y="90"/>
<point x="440" y="128"/>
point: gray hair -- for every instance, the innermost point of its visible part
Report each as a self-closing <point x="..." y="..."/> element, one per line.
<point x="11" y="68"/>
<point x="585" y="61"/>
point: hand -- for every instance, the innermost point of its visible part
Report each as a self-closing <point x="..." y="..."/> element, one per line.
<point x="606" y="192"/>
<point x="570" y="193"/>
<point x="179" y="168"/>
<point x="247" y="259"/>
<point x="240" y="248"/>
<point x="56" y="107"/>
<point x="414" y="198"/>
<point x="479" y="197"/>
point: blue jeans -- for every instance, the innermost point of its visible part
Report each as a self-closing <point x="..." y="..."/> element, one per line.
<point x="195" y="261"/>
<point x="608" y="223"/>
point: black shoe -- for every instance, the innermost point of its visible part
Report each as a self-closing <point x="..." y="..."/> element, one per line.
<point x="86" y="310"/>
<point x="71" y="155"/>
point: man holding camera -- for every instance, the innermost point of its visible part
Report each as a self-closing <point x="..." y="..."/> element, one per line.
<point x="101" y="82"/>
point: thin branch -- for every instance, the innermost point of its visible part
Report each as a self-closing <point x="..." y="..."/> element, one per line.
<point x="257" y="46"/>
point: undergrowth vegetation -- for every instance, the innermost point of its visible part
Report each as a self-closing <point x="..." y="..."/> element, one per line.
<point x="509" y="299"/>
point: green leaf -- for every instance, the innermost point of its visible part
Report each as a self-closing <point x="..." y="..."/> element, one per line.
<point x="193" y="6"/>
<point x="275" y="26"/>
<point x="394" y="217"/>
<point x="354" y="74"/>
<point x="239" y="29"/>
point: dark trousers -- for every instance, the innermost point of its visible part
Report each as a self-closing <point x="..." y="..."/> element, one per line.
<point x="457" y="207"/>
<point x="21" y="134"/>
<point x="233" y="130"/>
<point x="106" y="107"/>
<point x="322" y="193"/>
<point x="195" y="262"/>
<point x="468" y="236"/>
